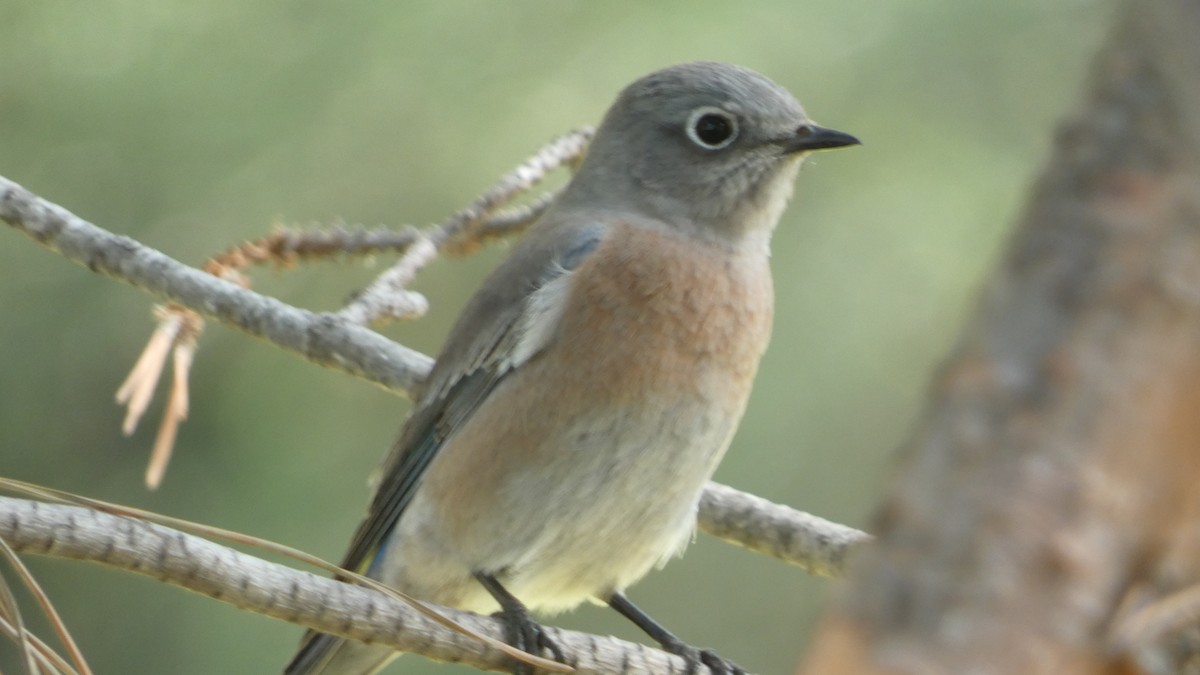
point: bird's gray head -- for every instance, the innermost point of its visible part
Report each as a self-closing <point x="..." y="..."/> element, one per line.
<point x="709" y="146"/>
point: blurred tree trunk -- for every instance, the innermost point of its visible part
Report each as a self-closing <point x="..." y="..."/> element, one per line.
<point x="1050" y="500"/>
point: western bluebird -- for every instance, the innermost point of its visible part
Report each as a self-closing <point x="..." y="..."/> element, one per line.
<point x="560" y="445"/>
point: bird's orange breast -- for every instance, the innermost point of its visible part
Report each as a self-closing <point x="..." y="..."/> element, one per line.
<point x="653" y="312"/>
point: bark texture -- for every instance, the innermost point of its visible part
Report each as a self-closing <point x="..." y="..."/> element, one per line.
<point x="1050" y="499"/>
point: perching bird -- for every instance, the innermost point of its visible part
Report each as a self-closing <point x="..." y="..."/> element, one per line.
<point x="559" y="448"/>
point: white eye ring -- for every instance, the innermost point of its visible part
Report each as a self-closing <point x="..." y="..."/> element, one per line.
<point x="711" y="128"/>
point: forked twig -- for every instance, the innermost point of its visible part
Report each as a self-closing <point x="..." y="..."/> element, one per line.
<point x="385" y="298"/>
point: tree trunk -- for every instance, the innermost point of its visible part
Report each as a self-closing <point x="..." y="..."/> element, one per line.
<point x="1050" y="500"/>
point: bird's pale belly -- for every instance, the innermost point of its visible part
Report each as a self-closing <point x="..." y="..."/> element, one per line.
<point x="616" y="497"/>
<point x="642" y="513"/>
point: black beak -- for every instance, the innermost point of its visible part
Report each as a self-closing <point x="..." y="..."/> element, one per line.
<point x="811" y="137"/>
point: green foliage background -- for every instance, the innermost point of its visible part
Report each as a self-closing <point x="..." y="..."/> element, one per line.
<point x="193" y="125"/>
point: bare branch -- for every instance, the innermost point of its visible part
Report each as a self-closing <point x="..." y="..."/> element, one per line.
<point x="285" y="246"/>
<point x="318" y="337"/>
<point x="567" y="149"/>
<point x="280" y="592"/>
<point x="814" y="544"/>
<point x="388" y="296"/>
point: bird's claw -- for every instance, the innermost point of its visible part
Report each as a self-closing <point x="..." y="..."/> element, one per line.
<point x="529" y="636"/>
<point x="716" y="664"/>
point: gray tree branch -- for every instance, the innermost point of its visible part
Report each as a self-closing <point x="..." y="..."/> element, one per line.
<point x="814" y="544"/>
<point x="277" y="591"/>
<point x="321" y="338"/>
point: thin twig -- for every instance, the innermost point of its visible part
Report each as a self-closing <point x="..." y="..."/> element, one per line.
<point x="567" y="149"/>
<point x="285" y="246"/>
<point x="388" y="296"/>
<point x="501" y="224"/>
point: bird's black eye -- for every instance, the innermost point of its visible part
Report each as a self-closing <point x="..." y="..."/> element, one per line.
<point x="711" y="128"/>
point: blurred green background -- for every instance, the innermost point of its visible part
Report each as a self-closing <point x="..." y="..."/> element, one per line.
<point x="190" y="126"/>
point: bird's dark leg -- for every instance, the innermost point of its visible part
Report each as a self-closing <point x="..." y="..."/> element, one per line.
<point x="523" y="632"/>
<point x="670" y="643"/>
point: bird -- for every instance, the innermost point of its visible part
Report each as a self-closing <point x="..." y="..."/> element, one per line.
<point x="558" y="449"/>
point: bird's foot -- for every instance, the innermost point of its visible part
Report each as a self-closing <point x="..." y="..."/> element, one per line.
<point x="522" y="632"/>
<point x="694" y="657"/>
